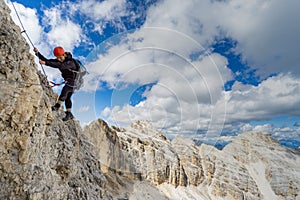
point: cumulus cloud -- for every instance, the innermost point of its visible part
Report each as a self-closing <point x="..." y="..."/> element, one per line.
<point x="277" y="95"/>
<point x="154" y="51"/>
<point x="266" y="31"/>
<point x="270" y="43"/>
<point x="63" y="32"/>
<point x="185" y="87"/>
<point x="188" y="94"/>
<point x="84" y="109"/>
<point x="167" y="110"/>
<point x="106" y="11"/>
<point x="102" y="13"/>
<point x="29" y="20"/>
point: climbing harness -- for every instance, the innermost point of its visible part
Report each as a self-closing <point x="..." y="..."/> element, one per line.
<point x="56" y="84"/>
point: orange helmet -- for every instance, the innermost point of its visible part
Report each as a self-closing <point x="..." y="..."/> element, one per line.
<point x="58" y="51"/>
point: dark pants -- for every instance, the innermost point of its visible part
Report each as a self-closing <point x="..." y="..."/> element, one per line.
<point x="66" y="94"/>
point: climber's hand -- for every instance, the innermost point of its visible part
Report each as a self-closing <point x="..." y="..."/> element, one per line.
<point x="35" y="50"/>
<point x="42" y="62"/>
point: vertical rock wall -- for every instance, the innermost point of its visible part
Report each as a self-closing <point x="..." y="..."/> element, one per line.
<point x="41" y="157"/>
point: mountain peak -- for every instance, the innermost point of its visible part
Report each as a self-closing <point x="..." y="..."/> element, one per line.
<point x="180" y="140"/>
<point x="143" y="126"/>
<point x="144" y="129"/>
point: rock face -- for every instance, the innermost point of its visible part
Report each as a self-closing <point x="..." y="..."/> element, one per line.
<point x="254" y="166"/>
<point x="274" y="168"/>
<point x="40" y="156"/>
<point x="131" y="152"/>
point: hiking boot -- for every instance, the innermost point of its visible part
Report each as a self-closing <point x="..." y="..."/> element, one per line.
<point x="68" y="116"/>
<point x="55" y="107"/>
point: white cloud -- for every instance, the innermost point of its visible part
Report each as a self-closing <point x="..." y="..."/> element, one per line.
<point x="186" y="89"/>
<point x="29" y="19"/>
<point x="150" y="54"/>
<point x="269" y="38"/>
<point x="266" y="128"/>
<point x="189" y="96"/>
<point x="265" y="44"/>
<point x="266" y="30"/>
<point x="106" y="112"/>
<point x="84" y="109"/>
<point x="278" y="95"/>
<point x="63" y="32"/>
<point x="104" y="12"/>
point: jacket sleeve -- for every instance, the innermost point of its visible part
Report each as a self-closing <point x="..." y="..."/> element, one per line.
<point x="49" y="62"/>
<point x="69" y="64"/>
<point x="40" y="56"/>
<point x="61" y="65"/>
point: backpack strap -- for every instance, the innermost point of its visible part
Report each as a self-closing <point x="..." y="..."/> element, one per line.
<point x="77" y="66"/>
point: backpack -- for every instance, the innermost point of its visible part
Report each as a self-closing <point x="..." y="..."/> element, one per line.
<point x="79" y="74"/>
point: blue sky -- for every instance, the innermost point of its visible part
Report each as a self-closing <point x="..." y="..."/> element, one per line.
<point x="206" y="69"/>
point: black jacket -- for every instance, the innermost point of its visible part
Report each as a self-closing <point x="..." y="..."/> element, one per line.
<point x="67" y="67"/>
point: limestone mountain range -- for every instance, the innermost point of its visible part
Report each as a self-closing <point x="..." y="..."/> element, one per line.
<point x="42" y="157"/>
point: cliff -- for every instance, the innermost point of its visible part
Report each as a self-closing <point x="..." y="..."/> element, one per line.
<point x="42" y="157"/>
<point x="253" y="166"/>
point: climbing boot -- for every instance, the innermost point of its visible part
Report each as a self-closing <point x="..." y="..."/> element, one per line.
<point x="68" y="116"/>
<point x="55" y="107"/>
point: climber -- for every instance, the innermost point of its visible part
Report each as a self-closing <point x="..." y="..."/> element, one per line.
<point x="66" y="64"/>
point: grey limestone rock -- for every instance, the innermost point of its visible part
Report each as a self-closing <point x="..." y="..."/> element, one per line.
<point x="41" y="157"/>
